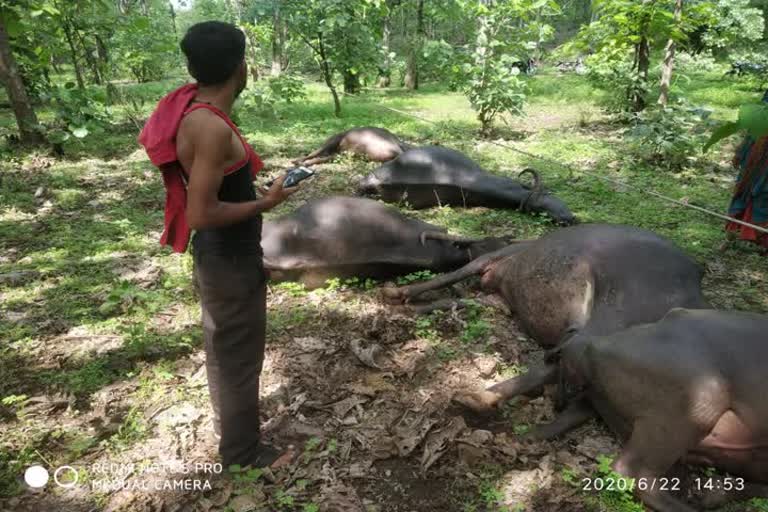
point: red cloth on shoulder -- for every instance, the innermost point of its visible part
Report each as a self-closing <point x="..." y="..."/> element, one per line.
<point x="159" y="140"/>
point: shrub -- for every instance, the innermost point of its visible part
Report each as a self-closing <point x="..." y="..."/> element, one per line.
<point x="667" y="137"/>
<point x="495" y="88"/>
<point x="617" y="78"/>
<point x="77" y="113"/>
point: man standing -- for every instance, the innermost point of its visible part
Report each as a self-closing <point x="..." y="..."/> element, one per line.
<point x="208" y="171"/>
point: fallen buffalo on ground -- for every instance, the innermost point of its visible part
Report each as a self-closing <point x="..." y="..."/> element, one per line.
<point x="376" y="144"/>
<point x="435" y="176"/>
<point x="688" y="388"/>
<point x="356" y="237"/>
<point x="591" y="278"/>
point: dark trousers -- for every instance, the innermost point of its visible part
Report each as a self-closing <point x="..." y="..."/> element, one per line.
<point x="232" y="292"/>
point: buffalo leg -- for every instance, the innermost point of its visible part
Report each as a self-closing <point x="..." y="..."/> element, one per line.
<point x="653" y="448"/>
<point x="449" y="304"/>
<point x="405" y="293"/>
<point x="317" y="160"/>
<point x="477" y="266"/>
<point x="487" y="401"/>
<point x="577" y="413"/>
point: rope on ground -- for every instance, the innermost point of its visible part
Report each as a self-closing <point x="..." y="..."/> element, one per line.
<point x="571" y="170"/>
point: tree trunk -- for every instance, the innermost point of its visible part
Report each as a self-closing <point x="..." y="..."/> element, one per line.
<point x="642" y="63"/>
<point x="669" y="59"/>
<point x="73" y="55"/>
<point x="277" y="42"/>
<point x="328" y="76"/>
<point x="173" y="19"/>
<point x="385" y="70"/>
<point x="481" y="61"/>
<point x="26" y="119"/>
<point x="89" y="58"/>
<point x="412" y="69"/>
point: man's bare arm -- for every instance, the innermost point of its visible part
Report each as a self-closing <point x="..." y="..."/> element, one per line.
<point x="212" y="143"/>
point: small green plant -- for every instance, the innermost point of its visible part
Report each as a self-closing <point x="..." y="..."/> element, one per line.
<point x="244" y="477"/>
<point x="420" y="275"/>
<point x="619" y="496"/>
<point x="12" y="400"/>
<point x="425" y="328"/>
<point x="476" y="326"/>
<point x="667" y="137"/>
<point x="363" y="284"/>
<point x="569" y="476"/>
<point x="122" y="298"/>
<point x="293" y="289"/>
<point x="521" y="429"/>
<point x="132" y="430"/>
<point x="495" y="88"/>
<point x="287" y="88"/>
<point x="310" y="507"/>
<point x="284" y="501"/>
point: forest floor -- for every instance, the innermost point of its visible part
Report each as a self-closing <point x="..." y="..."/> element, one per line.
<point x="101" y="364"/>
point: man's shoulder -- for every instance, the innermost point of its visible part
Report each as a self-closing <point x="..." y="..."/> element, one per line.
<point x="204" y="122"/>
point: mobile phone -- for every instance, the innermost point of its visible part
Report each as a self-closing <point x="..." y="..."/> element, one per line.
<point x="295" y="176"/>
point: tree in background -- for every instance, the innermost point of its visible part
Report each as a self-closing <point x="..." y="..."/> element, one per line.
<point x="341" y="37"/>
<point x="508" y="33"/>
<point x="669" y="55"/>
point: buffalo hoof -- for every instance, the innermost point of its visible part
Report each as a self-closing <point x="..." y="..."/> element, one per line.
<point x="480" y="402"/>
<point x="392" y="295"/>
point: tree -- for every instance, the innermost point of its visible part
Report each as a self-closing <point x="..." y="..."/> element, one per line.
<point x="622" y="37"/>
<point x="669" y="58"/>
<point x="340" y="35"/>
<point x="414" y="54"/>
<point x="385" y="68"/>
<point x="507" y="32"/>
<point x="26" y="119"/>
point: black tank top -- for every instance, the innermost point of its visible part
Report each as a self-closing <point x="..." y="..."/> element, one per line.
<point x="242" y="237"/>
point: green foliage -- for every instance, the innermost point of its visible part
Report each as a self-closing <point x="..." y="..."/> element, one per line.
<point x="507" y="32"/>
<point x="287" y="88"/>
<point x="615" y="74"/>
<point x="667" y="137"/>
<point x="263" y="96"/>
<point x="146" y="47"/>
<point x="730" y="24"/>
<point x="620" y="498"/>
<point x="476" y="327"/>
<point x="494" y="89"/>
<point x="121" y="298"/>
<point x="420" y="275"/>
<point x="77" y="112"/>
<point x="752" y="120"/>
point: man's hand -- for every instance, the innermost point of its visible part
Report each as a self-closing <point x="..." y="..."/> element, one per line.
<point x="276" y="194"/>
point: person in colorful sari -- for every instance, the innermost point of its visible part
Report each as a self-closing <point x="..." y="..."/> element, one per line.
<point x="750" y="198"/>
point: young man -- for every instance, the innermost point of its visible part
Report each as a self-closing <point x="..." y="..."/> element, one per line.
<point x="208" y="171"/>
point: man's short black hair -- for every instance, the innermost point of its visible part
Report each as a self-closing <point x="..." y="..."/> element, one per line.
<point x="214" y="50"/>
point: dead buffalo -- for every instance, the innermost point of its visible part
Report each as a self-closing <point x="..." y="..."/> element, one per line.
<point x="688" y="388"/>
<point x="591" y="278"/>
<point x="357" y="237"/>
<point x="376" y="144"/>
<point x="435" y="176"/>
